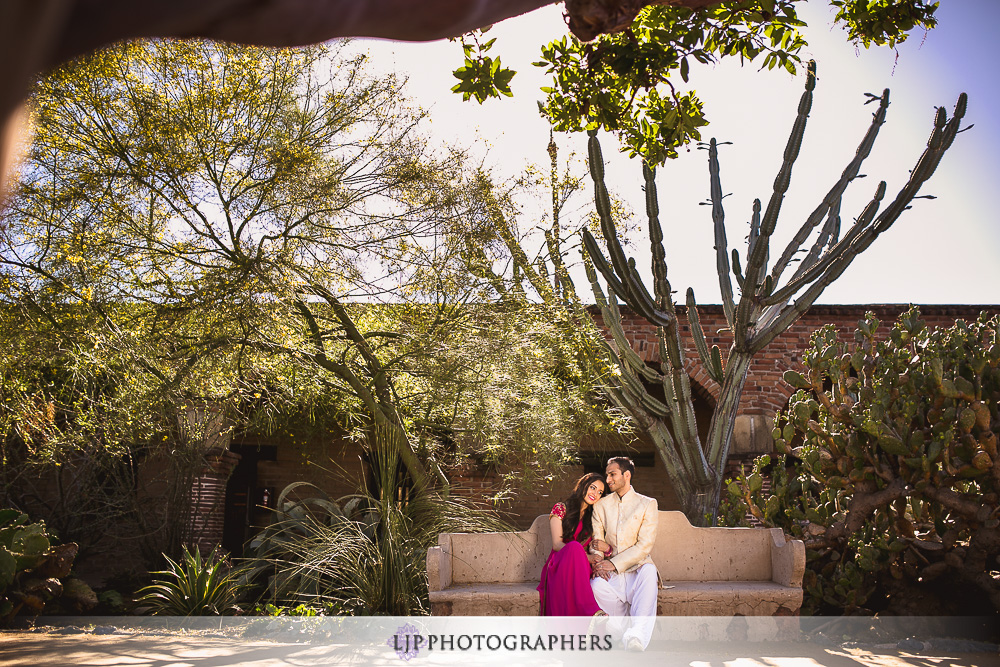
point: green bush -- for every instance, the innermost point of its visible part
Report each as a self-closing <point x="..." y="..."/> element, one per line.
<point x="192" y="587"/>
<point x="23" y="547"/>
<point x="887" y="464"/>
<point x="35" y="574"/>
<point x="361" y="554"/>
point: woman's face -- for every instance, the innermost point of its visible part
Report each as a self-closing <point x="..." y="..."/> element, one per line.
<point x="594" y="492"/>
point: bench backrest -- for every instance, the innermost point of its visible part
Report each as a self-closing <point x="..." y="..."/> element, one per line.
<point x="682" y="552"/>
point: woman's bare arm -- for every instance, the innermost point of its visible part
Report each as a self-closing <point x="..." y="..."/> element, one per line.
<point x="555" y="525"/>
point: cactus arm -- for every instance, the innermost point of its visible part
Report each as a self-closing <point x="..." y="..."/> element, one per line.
<point x="595" y="285"/>
<point x="661" y="288"/>
<point x="786" y="316"/>
<point x="601" y="264"/>
<point x="629" y="285"/>
<point x="677" y="391"/>
<point x="721" y="244"/>
<point x="625" y="350"/>
<point x="824" y="240"/>
<point x="834" y="196"/>
<point x="744" y="320"/>
<point x="752" y="238"/>
<point x="612" y="319"/>
<point x="685" y="423"/>
<point x="754" y="233"/>
<point x="847" y="245"/>
<point x="857" y="240"/>
<point x="691" y="455"/>
<point x="643" y="301"/>
<point x="631" y="385"/>
<point x="737" y="271"/>
<point x="757" y="257"/>
<point x="941" y="138"/>
<point x="708" y="361"/>
<point x="603" y="204"/>
<point x="748" y="285"/>
<point x="629" y="394"/>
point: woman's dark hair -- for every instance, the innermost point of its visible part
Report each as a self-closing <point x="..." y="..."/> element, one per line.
<point x="573" y="503"/>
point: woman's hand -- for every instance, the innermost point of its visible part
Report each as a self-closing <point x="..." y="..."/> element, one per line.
<point x="600" y="545"/>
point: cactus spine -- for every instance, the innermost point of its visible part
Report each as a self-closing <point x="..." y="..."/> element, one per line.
<point x="764" y="310"/>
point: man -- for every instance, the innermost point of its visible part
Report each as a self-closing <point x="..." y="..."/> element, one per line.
<point x="626" y="582"/>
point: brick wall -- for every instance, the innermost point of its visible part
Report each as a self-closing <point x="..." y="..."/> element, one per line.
<point x="765" y="391"/>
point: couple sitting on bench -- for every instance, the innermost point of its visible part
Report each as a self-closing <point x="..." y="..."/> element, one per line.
<point x="602" y="536"/>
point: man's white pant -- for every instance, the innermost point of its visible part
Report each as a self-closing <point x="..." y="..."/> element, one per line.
<point x="633" y="595"/>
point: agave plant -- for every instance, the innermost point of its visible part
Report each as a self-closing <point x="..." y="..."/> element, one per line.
<point x="361" y="554"/>
<point x="192" y="586"/>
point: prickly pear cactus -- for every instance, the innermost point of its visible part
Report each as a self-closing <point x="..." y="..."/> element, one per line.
<point x="889" y="468"/>
<point x="25" y="553"/>
<point x="22" y="545"/>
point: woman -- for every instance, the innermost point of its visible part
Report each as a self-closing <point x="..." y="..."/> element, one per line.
<point x="565" y="586"/>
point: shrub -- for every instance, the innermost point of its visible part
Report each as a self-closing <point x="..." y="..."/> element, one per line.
<point x="887" y="467"/>
<point x="192" y="587"/>
<point x="34" y="573"/>
<point x="361" y="554"/>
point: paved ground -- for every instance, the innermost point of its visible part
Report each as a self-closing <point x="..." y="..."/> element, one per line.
<point x="199" y="650"/>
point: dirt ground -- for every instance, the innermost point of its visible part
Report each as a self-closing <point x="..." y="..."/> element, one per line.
<point x="45" y="650"/>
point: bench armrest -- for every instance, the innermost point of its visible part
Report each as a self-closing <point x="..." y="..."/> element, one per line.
<point x="788" y="559"/>
<point x="439" y="564"/>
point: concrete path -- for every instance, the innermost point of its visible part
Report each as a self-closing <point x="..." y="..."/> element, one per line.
<point x="143" y="650"/>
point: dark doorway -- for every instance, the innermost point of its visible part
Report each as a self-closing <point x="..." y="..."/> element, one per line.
<point x="245" y="500"/>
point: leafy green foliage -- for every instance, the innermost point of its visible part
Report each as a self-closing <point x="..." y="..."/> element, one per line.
<point x="302" y="610"/>
<point x="34" y="572"/>
<point x="23" y="547"/>
<point x="481" y="76"/>
<point x="198" y="222"/>
<point x="622" y="82"/>
<point x="626" y="83"/>
<point x="883" y="22"/>
<point x="192" y="586"/>
<point x="888" y="461"/>
<point x="361" y="554"/>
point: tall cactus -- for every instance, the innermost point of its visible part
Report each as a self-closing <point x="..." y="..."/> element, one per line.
<point x="763" y="311"/>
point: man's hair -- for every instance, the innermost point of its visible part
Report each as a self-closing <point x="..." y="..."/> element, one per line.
<point x="624" y="464"/>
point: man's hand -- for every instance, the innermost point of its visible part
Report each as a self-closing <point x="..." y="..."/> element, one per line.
<point x="604" y="569"/>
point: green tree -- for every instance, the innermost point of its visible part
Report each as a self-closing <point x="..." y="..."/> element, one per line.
<point x="210" y="216"/>
<point x="219" y="187"/>
<point x="626" y="66"/>
<point x="887" y="466"/>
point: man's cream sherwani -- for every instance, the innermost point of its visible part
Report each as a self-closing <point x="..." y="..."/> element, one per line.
<point x="628" y="524"/>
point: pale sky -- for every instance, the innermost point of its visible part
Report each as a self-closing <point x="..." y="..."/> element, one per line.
<point x="942" y="251"/>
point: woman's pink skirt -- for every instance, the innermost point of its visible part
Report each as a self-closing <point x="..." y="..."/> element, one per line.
<point x="564" y="588"/>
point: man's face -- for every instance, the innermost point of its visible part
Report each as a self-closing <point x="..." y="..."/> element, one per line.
<point x="616" y="480"/>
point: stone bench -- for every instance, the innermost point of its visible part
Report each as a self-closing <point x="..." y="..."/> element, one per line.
<point x="703" y="571"/>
